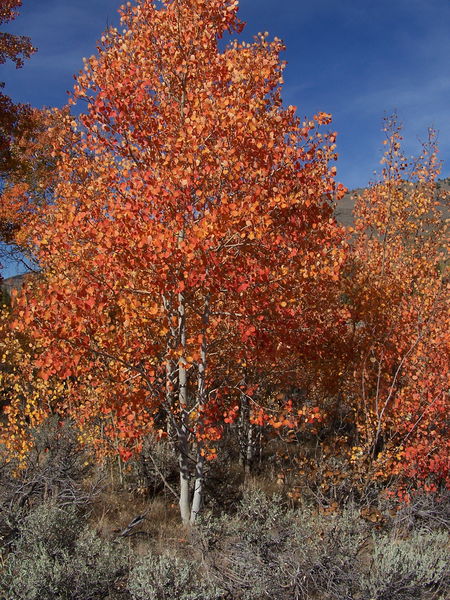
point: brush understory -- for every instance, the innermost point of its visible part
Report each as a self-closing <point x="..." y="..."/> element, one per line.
<point x="71" y="529"/>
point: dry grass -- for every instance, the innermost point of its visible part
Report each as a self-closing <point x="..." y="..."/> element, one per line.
<point x="159" y="529"/>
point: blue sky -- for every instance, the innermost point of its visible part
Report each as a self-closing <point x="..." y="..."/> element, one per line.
<point x="356" y="59"/>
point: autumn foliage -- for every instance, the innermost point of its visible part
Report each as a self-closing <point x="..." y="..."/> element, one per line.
<point x="19" y="123"/>
<point x="193" y="278"/>
<point x="397" y="290"/>
<point x="29" y="180"/>
<point x="15" y="48"/>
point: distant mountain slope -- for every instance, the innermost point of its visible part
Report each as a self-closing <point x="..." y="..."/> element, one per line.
<point x="345" y="206"/>
<point x="13" y="283"/>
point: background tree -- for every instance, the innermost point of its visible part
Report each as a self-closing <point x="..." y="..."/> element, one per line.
<point x="29" y="183"/>
<point x="397" y="293"/>
<point x="16" y="120"/>
<point x="12" y="116"/>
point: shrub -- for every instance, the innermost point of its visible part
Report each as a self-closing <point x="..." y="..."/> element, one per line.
<point x="55" y="469"/>
<point x="328" y="553"/>
<point x="96" y="566"/>
<point x="168" y="578"/>
<point x="268" y="551"/>
<point x="57" y="557"/>
<point x="424" y="511"/>
<point x="49" y="526"/>
<point x="405" y="569"/>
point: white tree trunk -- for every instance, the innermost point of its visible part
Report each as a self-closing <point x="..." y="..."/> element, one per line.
<point x="183" y="461"/>
<point x="183" y="430"/>
<point x="197" y="501"/>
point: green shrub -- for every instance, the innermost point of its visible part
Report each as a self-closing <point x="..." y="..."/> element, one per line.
<point x="268" y="551"/>
<point x="49" y="526"/>
<point x="168" y="578"/>
<point x="57" y="557"/>
<point x="405" y="569"/>
<point x="96" y="566"/>
<point x="328" y="553"/>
